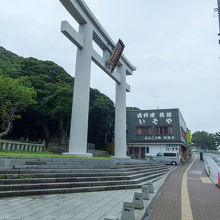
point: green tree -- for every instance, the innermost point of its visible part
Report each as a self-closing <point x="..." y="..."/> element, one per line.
<point x="101" y="119"/>
<point x="203" y="140"/>
<point x="217" y="138"/>
<point x="48" y="78"/>
<point x="131" y="108"/>
<point x="50" y="118"/>
<point x="58" y="107"/>
<point x="15" y="97"/>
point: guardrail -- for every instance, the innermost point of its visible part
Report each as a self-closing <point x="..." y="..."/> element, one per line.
<point x="7" y="145"/>
<point x="212" y="169"/>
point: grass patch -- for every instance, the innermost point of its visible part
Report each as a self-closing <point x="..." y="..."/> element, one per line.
<point x="1" y="177"/>
<point x="46" y="154"/>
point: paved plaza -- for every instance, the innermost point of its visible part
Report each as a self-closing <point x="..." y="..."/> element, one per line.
<point x="77" y="206"/>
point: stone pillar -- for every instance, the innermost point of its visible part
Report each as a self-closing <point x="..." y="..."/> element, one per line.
<point x="120" y="116"/>
<point x="80" y="109"/>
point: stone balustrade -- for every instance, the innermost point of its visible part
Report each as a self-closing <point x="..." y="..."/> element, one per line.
<point x="7" y="145"/>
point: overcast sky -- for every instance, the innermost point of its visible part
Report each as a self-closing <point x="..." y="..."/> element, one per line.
<point x="173" y="44"/>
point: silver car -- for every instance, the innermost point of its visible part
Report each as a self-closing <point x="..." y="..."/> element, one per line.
<point x="168" y="158"/>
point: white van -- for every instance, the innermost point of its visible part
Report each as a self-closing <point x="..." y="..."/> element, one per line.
<point x="168" y="158"/>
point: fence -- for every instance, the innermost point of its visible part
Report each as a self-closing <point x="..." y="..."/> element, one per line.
<point x="7" y="145"/>
<point x="212" y="169"/>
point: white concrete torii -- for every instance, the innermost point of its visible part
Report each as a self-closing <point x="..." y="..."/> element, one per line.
<point x="90" y="29"/>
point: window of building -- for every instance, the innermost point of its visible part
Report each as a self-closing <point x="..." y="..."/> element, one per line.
<point x="143" y="131"/>
<point x="164" y="130"/>
<point x="147" y="150"/>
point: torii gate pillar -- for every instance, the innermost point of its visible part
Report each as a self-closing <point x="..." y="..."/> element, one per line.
<point x="80" y="108"/>
<point x="120" y="115"/>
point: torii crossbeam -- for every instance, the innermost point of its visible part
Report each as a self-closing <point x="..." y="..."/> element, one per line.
<point x="91" y="30"/>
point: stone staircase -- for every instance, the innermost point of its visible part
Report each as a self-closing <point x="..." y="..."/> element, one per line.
<point x="51" y="177"/>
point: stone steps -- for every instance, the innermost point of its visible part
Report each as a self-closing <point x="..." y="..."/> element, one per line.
<point x="87" y="166"/>
<point x="39" y="177"/>
<point x="27" y="180"/>
<point x="43" y="191"/>
<point x="64" y="190"/>
<point x="73" y="170"/>
<point x="80" y="166"/>
<point x="25" y="175"/>
<point x="75" y="184"/>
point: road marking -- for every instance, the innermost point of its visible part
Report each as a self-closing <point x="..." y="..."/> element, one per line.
<point x="186" y="211"/>
<point x="189" y="178"/>
<point x="205" y="180"/>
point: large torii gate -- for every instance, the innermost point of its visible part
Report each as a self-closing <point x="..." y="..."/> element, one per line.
<point x="90" y="29"/>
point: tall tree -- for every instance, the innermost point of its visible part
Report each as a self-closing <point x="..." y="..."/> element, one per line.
<point x="101" y="118"/>
<point x="217" y="138"/>
<point x="203" y="140"/>
<point x="15" y="96"/>
<point x="59" y="107"/>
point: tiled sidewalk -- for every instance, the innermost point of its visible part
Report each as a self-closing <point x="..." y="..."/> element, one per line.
<point x="204" y="196"/>
<point x="168" y="205"/>
<point x="78" y="206"/>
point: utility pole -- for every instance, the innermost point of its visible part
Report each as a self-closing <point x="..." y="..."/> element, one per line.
<point x="157" y="107"/>
<point x="218" y="11"/>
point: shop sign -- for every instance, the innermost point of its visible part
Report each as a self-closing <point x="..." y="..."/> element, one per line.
<point x="166" y="116"/>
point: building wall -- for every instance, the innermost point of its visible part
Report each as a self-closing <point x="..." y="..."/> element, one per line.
<point x="154" y="118"/>
<point x="182" y="124"/>
<point x="151" y="145"/>
<point x="153" y="149"/>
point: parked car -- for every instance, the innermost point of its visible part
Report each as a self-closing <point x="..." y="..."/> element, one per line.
<point x="168" y="158"/>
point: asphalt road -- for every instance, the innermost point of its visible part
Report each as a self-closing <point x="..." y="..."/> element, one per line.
<point x="215" y="157"/>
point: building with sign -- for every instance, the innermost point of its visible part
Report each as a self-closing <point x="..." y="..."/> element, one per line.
<point x="152" y="131"/>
